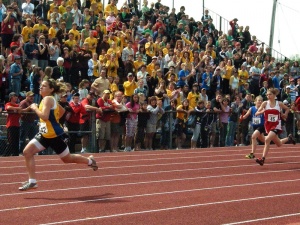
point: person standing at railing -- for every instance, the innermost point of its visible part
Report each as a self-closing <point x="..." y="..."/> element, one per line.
<point x="12" y="125"/>
<point x="28" y="126"/>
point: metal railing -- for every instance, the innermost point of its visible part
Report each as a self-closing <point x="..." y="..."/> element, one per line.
<point x="162" y="132"/>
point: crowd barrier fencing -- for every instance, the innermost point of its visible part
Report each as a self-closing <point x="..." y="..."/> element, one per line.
<point x="8" y="148"/>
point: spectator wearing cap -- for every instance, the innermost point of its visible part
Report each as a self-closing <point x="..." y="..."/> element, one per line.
<point x="151" y="66"/>
<point x="129" y="86"/>
<point x="12" y="125"/>
<point x="7" y="30"/>
<point x="16" y="72"/>
<point x="53" y="29"/>
<point x="104" y="119"/>
<point x="234" y="27"/>
<point x="286" y="94"/>
<point x="125" y="14"/>
<point x="40" y="25"/>
<point x="28" y="128"/>
<point x="204" y="39"/>
<point x="31" y="50"/>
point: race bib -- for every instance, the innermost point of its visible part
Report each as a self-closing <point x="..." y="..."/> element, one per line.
<point x="256" y="120"/>
<point x="43" y="128"/>
<point x="272" y="118"/>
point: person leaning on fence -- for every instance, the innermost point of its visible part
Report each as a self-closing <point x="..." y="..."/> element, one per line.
<point x="51" y="134"/>
<point x="89" y="103"/>
<point x="183" y="112"/>
<point x="28" y="127"/>
<point x="104" y="119"/>
<point x="155" y="108"/>
<point x="200" y="114"/>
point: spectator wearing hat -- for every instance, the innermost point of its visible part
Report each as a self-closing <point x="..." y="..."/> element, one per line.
<point x="41" y="26"/>
<point x="90" y="104"/>
<point x="129" y="86"/>
<point x="234" y="27"/>
<point x="31" y="50"/>
<point x="125" y="14"/>
<point x="7" y="30"/>
<point x="13" y="125"/>
<point x="16" y="72"/>
<point x="104" y="119"/>
<point x="28" y="127"/>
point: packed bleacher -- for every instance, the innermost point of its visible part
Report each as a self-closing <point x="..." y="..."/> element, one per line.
<point x="143" y="72"/>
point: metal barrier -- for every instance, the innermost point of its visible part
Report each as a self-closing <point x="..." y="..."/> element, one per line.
<point x="14" y="139"/>
<point x="222" y="24"/>
<point x="8" y="145"/>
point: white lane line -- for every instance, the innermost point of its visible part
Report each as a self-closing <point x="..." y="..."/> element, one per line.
<point x="142" y="182"/>
<point x="147" y="159"/>
<point x="158" y="153"/>
<point x="265" y="218"/>
<point x="207" y="162"/>
<point x="173" y="208"/>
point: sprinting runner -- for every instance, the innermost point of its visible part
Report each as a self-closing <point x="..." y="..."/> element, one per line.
<point x="51" y="134"/>
<point x="272" y="113"/>
<point x="258" y="124"/>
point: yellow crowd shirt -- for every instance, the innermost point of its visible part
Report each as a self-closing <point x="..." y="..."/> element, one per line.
<point x="181" y="115"/>
<point x="92" y="43"/>
<point x="39" y="27"/>
<point x="112" y="68"/>
<point x="129" y="88"/>
<point x="76" y="34"/>
<point x="193" y="99"/>
<point x="26" y="33"/>
<point x="243" y="75"/>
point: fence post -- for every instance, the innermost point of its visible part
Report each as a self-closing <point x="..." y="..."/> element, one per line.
<point x="93" y="134"/>
<point x="220" y="28"/>
<point x="170" y="129"/>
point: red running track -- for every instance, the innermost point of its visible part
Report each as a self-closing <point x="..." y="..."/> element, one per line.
<point x="202" y="186"/>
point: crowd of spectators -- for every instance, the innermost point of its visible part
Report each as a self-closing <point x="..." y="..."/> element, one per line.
<point x="140" y="63"/>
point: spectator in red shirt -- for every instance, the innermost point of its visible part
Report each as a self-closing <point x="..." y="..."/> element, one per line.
<point x="104" y="119"/>
<point x="13" y="125"/>
<point x="89" y="103"/>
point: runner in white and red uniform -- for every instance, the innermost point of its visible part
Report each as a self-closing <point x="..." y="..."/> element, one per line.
<point x="272" y="114"/>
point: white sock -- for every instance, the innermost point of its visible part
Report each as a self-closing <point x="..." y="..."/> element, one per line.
<point x="32" y="181"/>
<point x="90" y="162"/>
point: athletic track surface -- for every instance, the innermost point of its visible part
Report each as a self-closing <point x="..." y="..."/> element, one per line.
<point x="201" y="186"/>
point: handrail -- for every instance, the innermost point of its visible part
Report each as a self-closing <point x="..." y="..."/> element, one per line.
<point x="223" y="26"/>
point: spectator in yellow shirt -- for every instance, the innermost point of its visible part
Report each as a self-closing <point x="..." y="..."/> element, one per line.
<point x="40" y="25"/>
<point x="151" y="49"/>
<point x="27" y="31"/>
<point x="53" y="29"/>
<point x="62" y="7"/>
<point x="70" y="42"/>
<point x="111" y="8"/>
<point x="75" y="32"/>
<point x="129" y="86"/>
<point x="92" y="41"/>
<point x="243" y="75"/>
<point x="112" y="66"/>
<point x="194" y="96"/>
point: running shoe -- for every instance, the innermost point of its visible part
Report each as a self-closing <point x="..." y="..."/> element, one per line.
<point x="260" y="161"/>
<point x="26" y="186"/>
<point x="250" y="156"/>
<point x="94" y="163"/>
<point x="292" y="139"/>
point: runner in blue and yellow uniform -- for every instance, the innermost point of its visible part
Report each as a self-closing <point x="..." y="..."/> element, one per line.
<point x="51" y="134"/>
